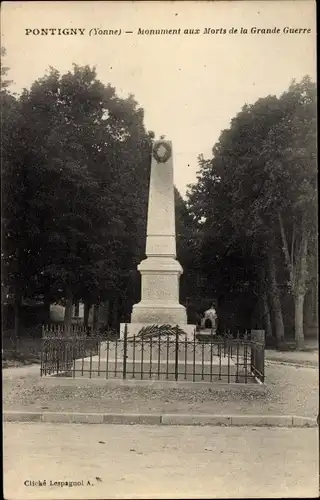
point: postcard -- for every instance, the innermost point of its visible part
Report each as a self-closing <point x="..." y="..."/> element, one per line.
<point x="159" y="249"/>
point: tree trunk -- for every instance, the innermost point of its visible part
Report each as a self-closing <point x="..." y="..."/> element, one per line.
<point x="68" y="308"/>
<point x="298" y="320"/>
<point x="288" y="259"/>
<point x="115" y="311"/>
<point x="267" y="317"/>
<point x="17" y="325"/>
<point x="77" y="309"/>
<point x="107" y="313"/>
<point x="17" y="302"/>
<point x="275" y="299"/>
<point x="300" y="292"/>
<point x="46" y="302"/>
<point x="86" y="312"/>
<point x="298" y="271"/>
<point x="103" y="317"/>
<point x="95" y="317"/>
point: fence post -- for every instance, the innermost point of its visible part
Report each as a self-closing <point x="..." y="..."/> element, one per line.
<point x="176" y="368"/>
<point x="125" y="348"/>
<point x="252" y="360"/>
<point x="258" y="336"/>
<point x="262" y="364"/>
<point x="194" y="358"/>
<point x="258" y="348"/>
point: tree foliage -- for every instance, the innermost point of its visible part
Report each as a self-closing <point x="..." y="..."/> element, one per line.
<point x="75" y="177"/>
<point x="256" y="198"/>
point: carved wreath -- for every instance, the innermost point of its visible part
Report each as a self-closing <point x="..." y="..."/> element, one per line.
<point x="165" y="157"/>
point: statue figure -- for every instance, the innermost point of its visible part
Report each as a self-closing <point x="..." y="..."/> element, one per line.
<point x="209" y="319"/>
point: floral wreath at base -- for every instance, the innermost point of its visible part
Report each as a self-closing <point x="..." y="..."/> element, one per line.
<point x="167" y="154"/>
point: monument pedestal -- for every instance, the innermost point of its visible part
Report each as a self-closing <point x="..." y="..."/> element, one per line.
<point x="159" y="293"/>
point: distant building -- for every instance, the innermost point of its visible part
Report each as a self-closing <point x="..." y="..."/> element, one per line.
<point x="57" y="312"/>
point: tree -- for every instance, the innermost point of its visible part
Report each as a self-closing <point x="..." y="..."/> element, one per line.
<point x="187" y="254"/>
<point x="235" y="241"/>
<point x="4" y="72"/>
<point x="82" y="156"/>
<point x="290" y="157"/>
<point x="13" y="255"/>
<point x="246" y="200"/>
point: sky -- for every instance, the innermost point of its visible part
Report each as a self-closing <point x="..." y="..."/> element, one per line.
<point x="190" y="85"/>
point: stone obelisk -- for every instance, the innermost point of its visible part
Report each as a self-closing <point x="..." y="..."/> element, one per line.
<point x="160" y="271"/>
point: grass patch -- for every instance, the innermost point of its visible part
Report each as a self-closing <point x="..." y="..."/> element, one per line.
<point x="24" y="351"/>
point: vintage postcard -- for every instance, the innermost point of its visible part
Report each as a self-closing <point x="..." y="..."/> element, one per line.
<point x="159" y="249"/>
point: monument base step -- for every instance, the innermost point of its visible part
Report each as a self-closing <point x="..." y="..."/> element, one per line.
<point x="134" y="329"/>
<point x="220" y="371"/>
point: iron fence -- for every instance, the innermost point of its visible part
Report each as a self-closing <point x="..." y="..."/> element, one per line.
<point x="74" y="353"/>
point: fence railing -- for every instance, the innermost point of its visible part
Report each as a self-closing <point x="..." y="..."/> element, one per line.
<point x="72" y="352"/>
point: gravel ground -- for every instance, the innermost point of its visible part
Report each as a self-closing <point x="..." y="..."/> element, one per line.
<point x="291" y="390"/>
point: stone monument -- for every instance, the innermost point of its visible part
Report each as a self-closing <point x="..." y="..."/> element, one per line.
<point x="160" y="271"/>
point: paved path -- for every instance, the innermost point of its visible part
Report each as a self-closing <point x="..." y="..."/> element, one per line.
<point x="155" y="462"/>
<point x="21" y="371"/>
<point x="306" y="358"/>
